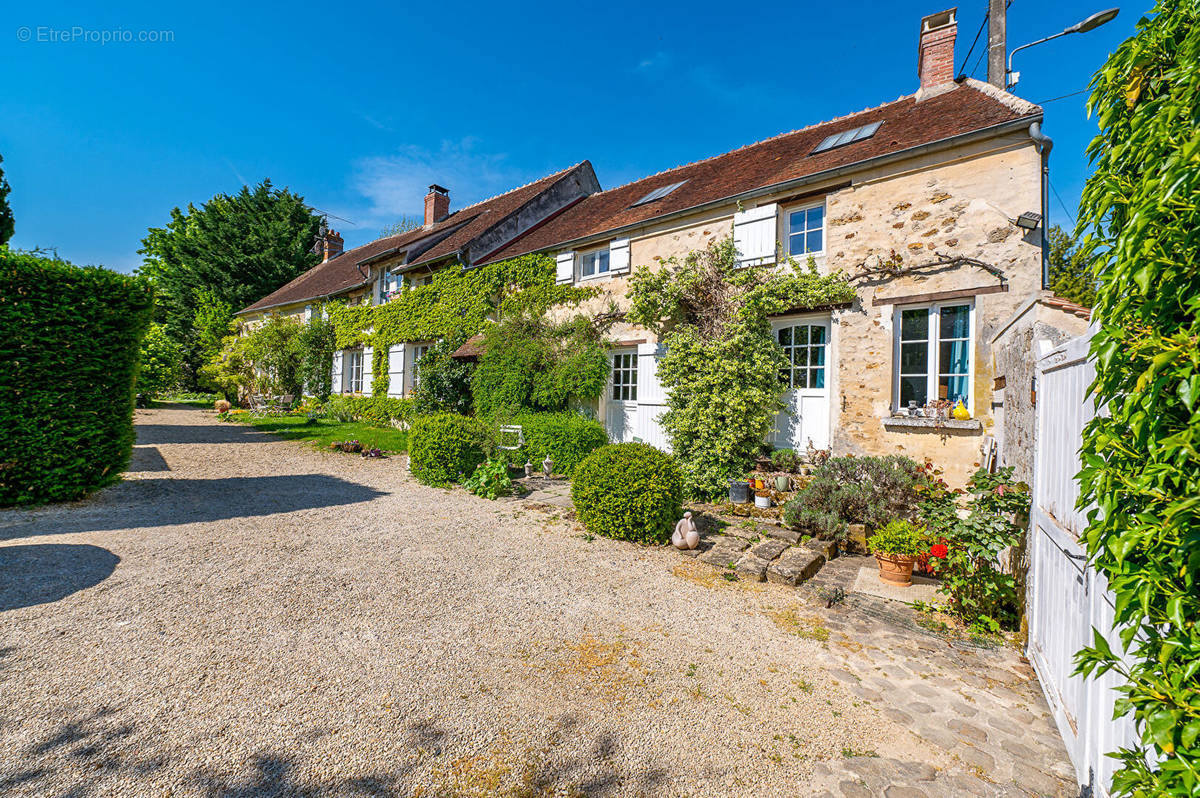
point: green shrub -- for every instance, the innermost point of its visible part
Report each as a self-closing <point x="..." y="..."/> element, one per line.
<point x="490" y="480"/>
<point x="69" y="349"/>
<point x="899" y="538"/>
<point x="445" y="385"/>
<point x="567" y="437"/>
<point x="379" y="411"/>
<point x="785" y="460"/>
<point x="858" y="490"/>
<point x="629" y="491"/>
<point x="444" y="447"/>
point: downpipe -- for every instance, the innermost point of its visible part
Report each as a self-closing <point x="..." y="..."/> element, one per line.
<point x="1044" y="145"/>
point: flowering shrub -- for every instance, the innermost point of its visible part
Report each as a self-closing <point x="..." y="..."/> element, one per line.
<point x="982" y="592"/>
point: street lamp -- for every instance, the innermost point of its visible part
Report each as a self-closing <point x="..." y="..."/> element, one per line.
<point x="1091" y="23"/>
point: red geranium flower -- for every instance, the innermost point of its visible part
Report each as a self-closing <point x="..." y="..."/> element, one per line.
<point x="939" y="550"/>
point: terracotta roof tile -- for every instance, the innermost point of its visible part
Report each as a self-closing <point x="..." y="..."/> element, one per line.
<point x="906" y="123"/>
<point x="457" y="230"/>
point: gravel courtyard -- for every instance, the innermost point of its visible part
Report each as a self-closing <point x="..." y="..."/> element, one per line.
<point x="248" y="616"/>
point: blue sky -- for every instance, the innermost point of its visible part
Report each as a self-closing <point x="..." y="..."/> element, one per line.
<point x="360" y="106"/>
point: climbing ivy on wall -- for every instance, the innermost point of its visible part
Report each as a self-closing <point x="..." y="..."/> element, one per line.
<point x="455" y="305"/>
<point x="1142" y="457"/>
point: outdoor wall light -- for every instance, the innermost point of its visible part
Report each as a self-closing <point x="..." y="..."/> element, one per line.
<point x="1029" y="220"/>
<point x="1091" y="23"/>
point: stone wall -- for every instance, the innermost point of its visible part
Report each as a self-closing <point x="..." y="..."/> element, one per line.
<point x="1014" y="354"/>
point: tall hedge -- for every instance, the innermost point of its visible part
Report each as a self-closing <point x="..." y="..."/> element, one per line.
<point x="69" y="348"/>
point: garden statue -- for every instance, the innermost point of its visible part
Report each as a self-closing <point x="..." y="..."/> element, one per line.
<point x="686" y="536"/>
<point x="547" y="466"/>
<point x="528" y="469"/>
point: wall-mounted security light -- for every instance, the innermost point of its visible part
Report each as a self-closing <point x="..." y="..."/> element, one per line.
<point x="1029" y="220"/>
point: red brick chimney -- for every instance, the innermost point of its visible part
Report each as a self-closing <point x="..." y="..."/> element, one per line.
<point x="935" y="57"/>
<point x="437" y="204"/>
<point x="333" y="245"/>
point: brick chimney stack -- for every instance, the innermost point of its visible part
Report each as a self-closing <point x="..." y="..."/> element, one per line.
<point x="935" y="57"/>
<point x="333" y="245"/>
<point x="437" y="204"/>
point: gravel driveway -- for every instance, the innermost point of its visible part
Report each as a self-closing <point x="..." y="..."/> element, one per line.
<point x="248" y="616"/>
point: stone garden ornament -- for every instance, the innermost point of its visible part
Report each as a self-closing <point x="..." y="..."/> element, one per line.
<point x="686" y="536"/>
<point x="548" y="467"/>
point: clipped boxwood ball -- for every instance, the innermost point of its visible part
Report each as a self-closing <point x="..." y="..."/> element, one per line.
<point x="444" y="448"/>
<point x="629" y="491"/>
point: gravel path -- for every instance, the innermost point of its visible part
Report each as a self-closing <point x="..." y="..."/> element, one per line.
<point x="248" y="616"/>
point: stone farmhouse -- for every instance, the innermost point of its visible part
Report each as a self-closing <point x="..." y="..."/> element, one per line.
<point x="933" y="203"/>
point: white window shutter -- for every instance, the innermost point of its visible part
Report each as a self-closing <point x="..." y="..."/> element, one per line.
<point x="754" y="235"/>
<point x="618" y="256"/>
<point x="396" y="370"/>
<point x="367" y="356"/>
<point x="336" y="385"/>
<point x="565" y="268"/>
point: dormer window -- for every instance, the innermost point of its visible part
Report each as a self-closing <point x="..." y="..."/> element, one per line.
<point x="594" y="263"/>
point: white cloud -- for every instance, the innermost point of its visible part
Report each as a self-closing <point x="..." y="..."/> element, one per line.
<point x="395" y="185"/>
<point x="655" y="62"/>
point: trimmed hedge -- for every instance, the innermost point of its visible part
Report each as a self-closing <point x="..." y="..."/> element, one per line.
<point x="444" y="448"/>
<point x="629" y="491"/>
<point x="567" y="437"/>
<point x="380" y="411"/>
<point x="70" y="342"/>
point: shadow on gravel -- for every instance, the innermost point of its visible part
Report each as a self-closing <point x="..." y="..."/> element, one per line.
<point x="169" y="502"/>
<point x="147" y="458"/>
<point x="199" y="433"/>
<point x="46" y="572"/>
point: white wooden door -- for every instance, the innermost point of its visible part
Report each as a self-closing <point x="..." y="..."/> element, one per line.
<point x="621" y="403"/>
<point x="805" y="415"/>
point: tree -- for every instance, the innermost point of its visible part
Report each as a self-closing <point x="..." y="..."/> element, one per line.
<point x="232" y="249"/>
<point x="1141" y="457"/>
<point x="213" y="322"/>
<point x="159" y="370"/>
<point x="402" y="225"/>
<point x="317" y="342"/>
<point x="445" y="384"/>
<point x="6" y="214"/>
<point x="1071" y="274"/>
<point x="722" y="364"/>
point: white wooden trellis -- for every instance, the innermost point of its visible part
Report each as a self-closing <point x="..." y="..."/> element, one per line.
<point x="1065" y="597"/>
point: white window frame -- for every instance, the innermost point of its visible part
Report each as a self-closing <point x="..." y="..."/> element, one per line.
<point x="415" y="352"/>
<point x="386" y="278"/>
<point x="596" y="254"/>
<point x="787" y="230"/>
<point x="822" y="323"/>
<point x="623" y="376"/>
<point x="933" y="344"/>
<point x="352" y="368"/>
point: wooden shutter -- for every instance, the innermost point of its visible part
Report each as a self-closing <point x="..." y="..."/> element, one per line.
<point x="618" y="256"/>
<point x="754" y="235"/>
<point x="367" y="356"/>
<point x="336" y="385"/>
<point x="565" y="268"/>
<point x="396" y="370"/>
<point x="652" y="399"/>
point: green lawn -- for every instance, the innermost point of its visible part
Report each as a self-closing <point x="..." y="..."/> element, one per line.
<point x="321" y="432"/>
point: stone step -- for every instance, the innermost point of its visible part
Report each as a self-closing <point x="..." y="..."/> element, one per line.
<point x="725" y="552"/>
<point x="752" y="568"/>
<point x="797" y="564"/>
<point x="769" y="549"/>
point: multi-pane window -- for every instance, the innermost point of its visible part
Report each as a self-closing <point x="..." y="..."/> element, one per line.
<point x="389" y="286"/>
<point x="935" y="354"/>
<point x="418" y="352"/>
<point x="806" y="231"/>
<point x="594" y="263"/>
<point x="804" y="345"/>
<point x="354" y="371"/>
<point x="624" y="376"/>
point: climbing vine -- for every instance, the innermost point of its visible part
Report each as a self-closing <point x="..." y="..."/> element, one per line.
<point x="455" y="304"/>
<point x="722" y="365"/>
<point x="1142" y="457"/>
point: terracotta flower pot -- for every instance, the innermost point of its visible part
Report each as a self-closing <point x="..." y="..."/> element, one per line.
<point x="895" y="569"/>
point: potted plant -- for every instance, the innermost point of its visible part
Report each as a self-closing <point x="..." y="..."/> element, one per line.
<point x="896" y="548"/>
<point x="762" y="498"/>
<point x="782" y="483"/>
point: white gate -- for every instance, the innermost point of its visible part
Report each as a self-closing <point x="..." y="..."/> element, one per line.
<point x="1066" y="598"/>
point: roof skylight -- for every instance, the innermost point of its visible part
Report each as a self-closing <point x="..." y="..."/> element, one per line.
<point x="846" y="137"/>
<point x="658" y="193"/>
